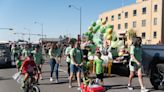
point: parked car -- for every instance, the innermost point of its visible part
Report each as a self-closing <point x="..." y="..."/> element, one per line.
<point x="5" y="55"/>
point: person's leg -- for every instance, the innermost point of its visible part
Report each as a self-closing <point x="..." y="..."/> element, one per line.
<point x="52" y="65"/>
<point x="143" y="89"/>
<point x="41" y="76"/>
<point x="101" y="79"/>
<point x="56" y="71"/>
<point x="68" y="63"/>
<point x="130" y="78"/>
<point x="71" y="75"/>
<point x="140" y="78"/>
<point x="79" y="78"/>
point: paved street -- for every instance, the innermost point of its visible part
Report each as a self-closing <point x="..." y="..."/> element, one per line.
<point x="113" y="84"/>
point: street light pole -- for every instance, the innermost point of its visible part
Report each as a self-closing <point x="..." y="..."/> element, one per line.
<point x="80" y="10"/>
<point x="29" y="33"/>
<point x="6" y="28"/>
<point x="41" y="30"/>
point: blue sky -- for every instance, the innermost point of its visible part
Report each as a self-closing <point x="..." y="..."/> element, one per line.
<point x="56" y="17"/>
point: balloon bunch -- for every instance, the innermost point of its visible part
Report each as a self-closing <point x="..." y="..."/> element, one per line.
<point x="100" y="30"/>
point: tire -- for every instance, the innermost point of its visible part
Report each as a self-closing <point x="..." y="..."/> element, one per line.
<point x="155" y="78"/>
<point x="35" y="89"/>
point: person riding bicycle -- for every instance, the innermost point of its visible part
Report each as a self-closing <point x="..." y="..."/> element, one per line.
<point x="28" y="68"/>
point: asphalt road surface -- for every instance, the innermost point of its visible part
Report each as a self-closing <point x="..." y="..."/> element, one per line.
<point x="113" y="84"/>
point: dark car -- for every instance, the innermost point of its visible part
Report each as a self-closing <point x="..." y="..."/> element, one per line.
<point x="5" y="55"/>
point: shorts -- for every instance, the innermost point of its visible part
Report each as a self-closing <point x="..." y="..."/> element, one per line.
<point x="134" y="67"/>
<point x="75" y="69"/>
<point x="100" y="76"/>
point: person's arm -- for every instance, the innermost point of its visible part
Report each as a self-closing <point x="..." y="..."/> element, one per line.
<point x="133" y="57"/>
<point x="82" y="59"/>
<point x="73" y="57"/>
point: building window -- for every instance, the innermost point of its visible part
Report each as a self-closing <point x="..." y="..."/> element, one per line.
<point x="143" y="23"/>
<point x="143" y="35"/>
<point x="106" y="19"/>
<point x="155" y="34"/>
<point x="155" y="21"/>
<point x="119" y="16"/>
<point x="134" y="24"/>
<point x="119" y="26"/>
<point x="126" y="14"/>
<point x="144" y="10"/>
<point x="155" y="8"/>
<point x="134" y="12"/>
<point x="126" y="25"/>
<point x="112" y="18"/>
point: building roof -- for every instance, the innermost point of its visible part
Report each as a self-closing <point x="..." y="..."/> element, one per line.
<point x="50" y="39"/>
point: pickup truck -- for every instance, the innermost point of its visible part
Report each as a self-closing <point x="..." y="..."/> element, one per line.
<point x="153" y="64"/>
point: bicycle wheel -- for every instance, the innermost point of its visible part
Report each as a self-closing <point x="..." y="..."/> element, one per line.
<point x="35" y="89"/>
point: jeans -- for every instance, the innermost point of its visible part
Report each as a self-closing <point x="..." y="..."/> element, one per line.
<point x="68" y="69"/>
<point x="53" y="65"/>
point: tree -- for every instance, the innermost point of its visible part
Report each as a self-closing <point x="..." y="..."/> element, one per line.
<point x="131" y="33"/>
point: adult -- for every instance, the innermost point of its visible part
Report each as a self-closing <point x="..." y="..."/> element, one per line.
<point x="135" y="63"/>
<point x="53" y="53"/>
<point x="68" y="58"/>
<point x="76" y="55"/>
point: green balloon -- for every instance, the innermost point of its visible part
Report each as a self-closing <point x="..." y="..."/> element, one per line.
<point x="99" y="22"/>
<point x="103" y="30"/>
<point x="114" y="37"/>
<point x="96" y="28"/>
<point x="94" y="24"/>
<point x="109" y="26"/>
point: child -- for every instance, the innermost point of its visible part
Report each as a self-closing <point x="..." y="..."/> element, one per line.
<point x="98" y="66"/>
<point x="18" y="62"/>
<point x="86" y="80"/>
<point x="28" y="68"/>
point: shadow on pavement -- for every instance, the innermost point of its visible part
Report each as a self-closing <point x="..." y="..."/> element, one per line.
<point x="1" y="78"/>
<point x="52" y="83"/>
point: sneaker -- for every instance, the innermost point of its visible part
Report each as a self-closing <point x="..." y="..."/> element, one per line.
<point x="23" y="85"/>
<point x="79" y="88"/>
<point x="57" y="81"/>
<point x="144" y="90"/>
<point x="41" y="78"/>
<point x="51" y="79"/>
<point x="130" y="87"/>
<point x="70" y="86"/>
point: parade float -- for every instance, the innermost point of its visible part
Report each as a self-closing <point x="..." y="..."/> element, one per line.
<point x="100" y="32"/>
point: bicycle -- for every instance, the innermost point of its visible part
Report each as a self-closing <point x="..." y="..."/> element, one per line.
<point x="31" y="84"/>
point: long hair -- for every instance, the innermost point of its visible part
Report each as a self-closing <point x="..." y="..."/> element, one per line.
<point x="136" y="41"/>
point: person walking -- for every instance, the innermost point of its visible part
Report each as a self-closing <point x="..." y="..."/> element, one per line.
<point x="98" y="68"/>
<point x="38" y="61"/>
<point x="53" y="53"/>
<point x="76" y="55"/>
<point x="68" y="58"/>
<point x="135" y="64"/>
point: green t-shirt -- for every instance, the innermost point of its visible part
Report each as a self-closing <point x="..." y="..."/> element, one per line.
<point x="53" y="53"/>
<point x="77" y="54"/>
<point x="67" y="51"/>
<point x="99" y="66"/>
<point x="137" y="52"/>
<point x="19" y="63"/>
<point x="37" y="57"/>
<point x="93" y="48"/>
<point x="26" y="52"/>
<point x="85" y="81"/>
